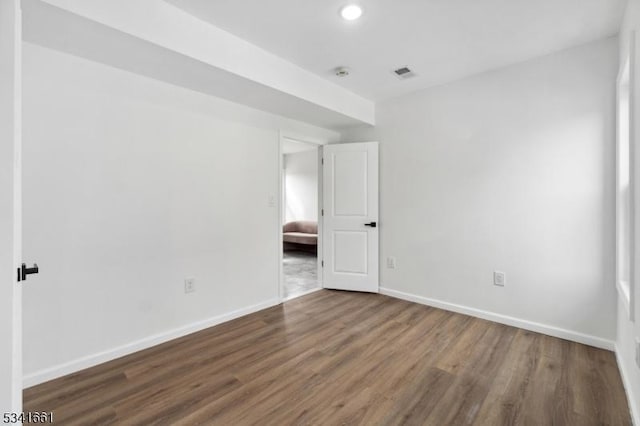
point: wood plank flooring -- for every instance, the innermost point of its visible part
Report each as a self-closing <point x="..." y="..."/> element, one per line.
<point x="339" y="358"/>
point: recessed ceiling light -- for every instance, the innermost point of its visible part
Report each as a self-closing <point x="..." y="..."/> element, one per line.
<point x="351" y="12"/>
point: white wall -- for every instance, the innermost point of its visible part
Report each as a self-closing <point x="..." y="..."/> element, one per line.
<point x="510" y="170"/>
<point x="130" y="186"/>
<point x="629" y="331"/>
<point x="301" y="186"/>
<point x="10" y="291"/>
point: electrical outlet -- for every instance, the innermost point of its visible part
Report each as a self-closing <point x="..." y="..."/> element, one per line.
<point x="189" y="285"/>
<point x="638" y="353"/>
<point x="499" y="278"/>
<point x="391" y="262"/>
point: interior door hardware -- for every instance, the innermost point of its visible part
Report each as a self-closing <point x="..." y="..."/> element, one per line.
<point x="23" y="271"/>
<point x="372" y="224"/>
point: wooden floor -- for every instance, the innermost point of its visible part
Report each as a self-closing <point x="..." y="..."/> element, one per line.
<point x="333" y="358"/>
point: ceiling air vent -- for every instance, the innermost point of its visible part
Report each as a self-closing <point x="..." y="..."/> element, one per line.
<point x="403" y="72"/>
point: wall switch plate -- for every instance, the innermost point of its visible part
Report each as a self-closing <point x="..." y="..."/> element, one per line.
<point x="189" y="285"/>
<point x="271" y="201"/>
<point x="391" y="262"/>
<point x="499" y="278"/>
<point x="638" y="353"/>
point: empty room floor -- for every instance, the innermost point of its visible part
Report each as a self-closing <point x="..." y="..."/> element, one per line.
<point x="347" y="358"/>
<point x="300" y="271"/>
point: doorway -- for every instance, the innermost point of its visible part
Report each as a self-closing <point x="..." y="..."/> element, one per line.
<point x="300" y="213"/>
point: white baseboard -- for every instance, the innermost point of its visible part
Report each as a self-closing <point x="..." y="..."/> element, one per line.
<point x="574" y="336"/>
<point x="631" y="398"/>
<point x="145" y="343"/>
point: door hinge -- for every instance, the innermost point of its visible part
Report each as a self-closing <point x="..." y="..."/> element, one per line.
<point x="23" y="271"/>
<point x="322" y="161"/>
<point x="322" y="263"/>
<point x="322" y="212"/>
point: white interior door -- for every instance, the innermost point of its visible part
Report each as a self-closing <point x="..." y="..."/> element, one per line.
<point x="350" y="221"/>
<point x="10" y="212"/>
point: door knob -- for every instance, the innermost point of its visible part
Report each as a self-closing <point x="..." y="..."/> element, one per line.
<point x="372" y="224"/>
<point x="23" y="271"/>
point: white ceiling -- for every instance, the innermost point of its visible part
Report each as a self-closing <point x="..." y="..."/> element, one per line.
<point x="170" y="48"/>
<point x="441" y="40"/>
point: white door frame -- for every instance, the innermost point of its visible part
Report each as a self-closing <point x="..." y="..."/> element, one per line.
<point x="319" y="143"/>
<point x="10" y="206"/>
